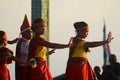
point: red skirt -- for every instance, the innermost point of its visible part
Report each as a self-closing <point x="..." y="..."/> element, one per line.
<point x="41" y="72"/>
<point x="4" y="73"/>
<point x="79" y="69"/>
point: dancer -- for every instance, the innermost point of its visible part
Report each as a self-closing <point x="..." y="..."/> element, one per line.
<point x="6" y="57"/>
<point x="37" y="50"/>
<point x="78" y="67"/>
<point x="22" y="50"/>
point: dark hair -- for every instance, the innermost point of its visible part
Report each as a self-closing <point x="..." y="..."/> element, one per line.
<point x="80" y="24"/>
<point x="2" y="33"/>
<point x="36" y="21"/>
<point x="112" y="58"/>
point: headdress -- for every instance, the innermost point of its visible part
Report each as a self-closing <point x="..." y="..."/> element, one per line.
<point x="25" y="25"/>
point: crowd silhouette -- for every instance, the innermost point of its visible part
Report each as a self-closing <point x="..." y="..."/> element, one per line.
<point x="109" y="72"/>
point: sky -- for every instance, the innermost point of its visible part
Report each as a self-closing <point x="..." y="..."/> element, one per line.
<point x="63" y="13"/>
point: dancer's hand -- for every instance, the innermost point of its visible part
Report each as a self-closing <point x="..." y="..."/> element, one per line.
<point x="109" y="39"/>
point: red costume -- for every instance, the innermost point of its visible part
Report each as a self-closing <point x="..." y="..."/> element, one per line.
<point x="78" y="67"/>
<point x="4" y="72"/>
<point x="37" y="51"/>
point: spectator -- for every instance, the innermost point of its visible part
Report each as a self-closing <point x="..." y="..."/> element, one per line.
<point x="97" y="71"/>
<point x="112" y="71"/>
